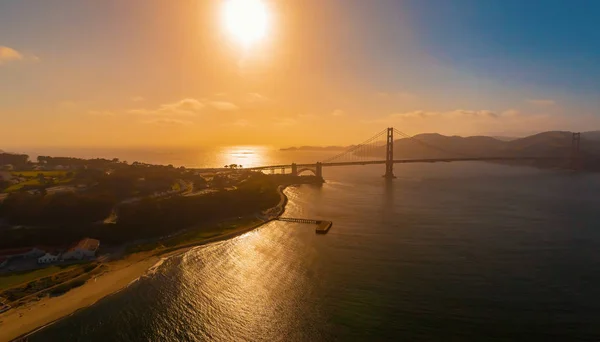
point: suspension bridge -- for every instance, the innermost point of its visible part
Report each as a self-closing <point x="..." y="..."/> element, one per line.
<point x="362" y="154"/>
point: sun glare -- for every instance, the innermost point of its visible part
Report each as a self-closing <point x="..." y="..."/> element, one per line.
<point x="246" y="20"/>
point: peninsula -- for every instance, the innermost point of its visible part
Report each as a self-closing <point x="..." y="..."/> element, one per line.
<point x="138" y="213"/>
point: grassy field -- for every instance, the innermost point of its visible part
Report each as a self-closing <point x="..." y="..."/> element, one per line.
<point x="34" y="174"/>
<point x="15" y="279"/>
<point x="32" y="179"/>
<point x="196" y="234"/>
<point x="68" y="278"/>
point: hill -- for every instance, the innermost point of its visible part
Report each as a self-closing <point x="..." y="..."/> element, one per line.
<point x="546" y="144"/>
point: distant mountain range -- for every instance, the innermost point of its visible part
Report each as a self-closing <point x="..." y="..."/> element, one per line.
<point x="546" y="144"/>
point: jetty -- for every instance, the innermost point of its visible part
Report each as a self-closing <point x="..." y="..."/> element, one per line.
<point x="322" y="225"/>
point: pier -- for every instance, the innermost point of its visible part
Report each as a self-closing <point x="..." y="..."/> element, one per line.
<point x="322" y="225"/>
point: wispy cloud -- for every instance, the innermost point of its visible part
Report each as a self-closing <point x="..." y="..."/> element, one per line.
<point x="9" y="55"/>
<point x="542" y="102"/>
<point x="510" y="113"/>
<point x="458" y="113"/>
<point x="256" y="98"/>
<point x="138" y="99"/>
<point x="338" y="112"/>
<point x="223" y="106"/>
<point x="185" y="107"/>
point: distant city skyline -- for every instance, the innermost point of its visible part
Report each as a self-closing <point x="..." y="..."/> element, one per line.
<point x="168" y="73"/>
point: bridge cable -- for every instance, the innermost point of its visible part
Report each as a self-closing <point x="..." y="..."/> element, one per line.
<point x="440" y="149"/>
<point x="356" y="147"/>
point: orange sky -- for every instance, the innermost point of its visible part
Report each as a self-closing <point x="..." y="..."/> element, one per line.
<point x="166" y="73"/>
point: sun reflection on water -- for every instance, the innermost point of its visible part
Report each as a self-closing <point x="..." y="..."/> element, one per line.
<point x="246" y="156"/>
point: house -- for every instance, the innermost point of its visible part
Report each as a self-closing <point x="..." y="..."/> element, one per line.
<point x="85" y="248"/>
<point x="48" y="258"/>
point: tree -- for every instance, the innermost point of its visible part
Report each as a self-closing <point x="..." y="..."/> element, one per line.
<point x="200" y="182"/>
<point x="219" y="181"/>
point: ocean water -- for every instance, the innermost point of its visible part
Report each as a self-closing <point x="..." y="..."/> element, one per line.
<point x="446" y="252"/>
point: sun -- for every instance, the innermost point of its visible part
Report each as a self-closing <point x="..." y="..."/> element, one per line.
<point x="246" y="20"/>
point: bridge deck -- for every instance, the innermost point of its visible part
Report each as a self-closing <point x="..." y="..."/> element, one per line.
<point x="408" y="161"/>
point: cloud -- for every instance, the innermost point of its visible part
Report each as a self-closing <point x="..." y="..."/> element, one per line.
<point x="9" y="55"/>
<point x="167" y="122"/>
<point x="185" y="107"/>
<point x="138" y="99"/>
<point x="419" y="114"/>
<point x="471" y="114"/>
<point x="223" y="106"/>
<point x="454" y="114"/>
<point x="542" y="102"/>
<point x="510" y="113"/>
<point x="338" y="112"/>
<point x="256" y="98"/>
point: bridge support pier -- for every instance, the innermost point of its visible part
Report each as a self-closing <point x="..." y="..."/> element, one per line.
<point x="319" y="170"/>
<point x="389" y="155"/>
<point x="294" y="169"/>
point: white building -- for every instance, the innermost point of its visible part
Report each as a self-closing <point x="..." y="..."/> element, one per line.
<point x="85" y="248"/>
<point x="48" y="258"/>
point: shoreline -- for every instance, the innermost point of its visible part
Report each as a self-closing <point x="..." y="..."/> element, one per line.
<point x="31" y="317"/>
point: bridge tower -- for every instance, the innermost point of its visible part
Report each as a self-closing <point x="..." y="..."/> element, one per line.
<point x="319" y="170"/>
<point x="389" y="154"/>
<point x="294" y="169"/>
<point x="575" y="157"/>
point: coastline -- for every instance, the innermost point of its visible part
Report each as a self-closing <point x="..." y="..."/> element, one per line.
<point x="31" y="317"/>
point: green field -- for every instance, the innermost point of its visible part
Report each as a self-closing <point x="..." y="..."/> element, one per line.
<point x="58" y="178"/>
<point x="196" y="234"/>
<point x="32" y="174"/>
<point x="10" y="280"/>
<point x="58" y="282"/>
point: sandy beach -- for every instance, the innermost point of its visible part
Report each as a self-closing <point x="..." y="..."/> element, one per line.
<point x="34" y="315"/>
